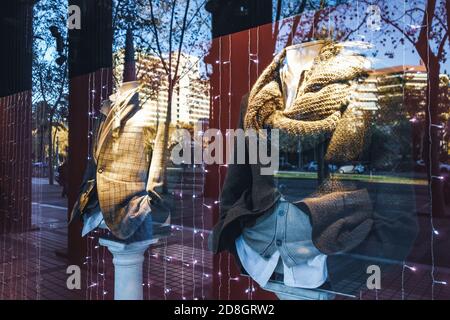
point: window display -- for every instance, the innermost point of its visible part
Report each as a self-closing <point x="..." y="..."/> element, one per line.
<point x="269" y="233"/>
<point x="224" y="150"/>
<point x="115" y="191"/>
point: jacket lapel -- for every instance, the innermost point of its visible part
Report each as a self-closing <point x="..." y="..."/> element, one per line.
<point x="122" y="109"/>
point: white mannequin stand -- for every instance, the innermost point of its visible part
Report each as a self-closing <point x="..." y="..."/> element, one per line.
<point x="128" y="261"/>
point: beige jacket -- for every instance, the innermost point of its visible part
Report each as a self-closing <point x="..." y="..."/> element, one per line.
<point x="122" y="166"/>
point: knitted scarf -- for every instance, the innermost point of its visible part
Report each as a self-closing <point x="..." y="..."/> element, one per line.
<point x="320" y="107"/>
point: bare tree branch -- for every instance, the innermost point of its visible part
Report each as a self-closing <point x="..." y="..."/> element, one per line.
<point x="155" y="32"/>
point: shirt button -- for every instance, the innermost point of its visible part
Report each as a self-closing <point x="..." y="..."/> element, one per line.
<point x="279" y="242"/>
<point x="100" y="170"/>
<point x="281" y="213"/>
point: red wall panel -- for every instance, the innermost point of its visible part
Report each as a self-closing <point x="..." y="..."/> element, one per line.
<point x="15" y="162"/>
<point x="237" y="61"/>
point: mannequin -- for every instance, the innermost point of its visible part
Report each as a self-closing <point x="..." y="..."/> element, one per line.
<point x="299" y="58"/>
<point x="114" y="193"/>
<point x="301" y="235"/>
<point x="307" y="267"/>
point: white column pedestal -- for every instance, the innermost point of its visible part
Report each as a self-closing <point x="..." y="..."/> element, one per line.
<point x="128" y="261"/>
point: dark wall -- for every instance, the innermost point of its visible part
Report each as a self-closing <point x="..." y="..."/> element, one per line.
<point x="15" y="115"/>
<point x="90" y="48"/>
<point x="90" y="63"/>
<point x="230" y="16"/>
<point x="16" y="42"/>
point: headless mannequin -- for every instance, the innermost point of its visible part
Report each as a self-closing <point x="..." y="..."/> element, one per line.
<point x="310" y="272"/>
<point x="299" y="58"/>
<point x="96" y="220"/>
<point x="121" y="93"/>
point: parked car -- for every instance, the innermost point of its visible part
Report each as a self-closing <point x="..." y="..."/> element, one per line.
<point x="285" y="165"/>
<point x="447" y="189"/>
<point x="421" y="166"/>
<point x="39" y="169"/>
<point x="312" y="166"/>
<point x="445" y="168"/>
<point x="358" y="168"/>
<point x="332" y="167"/>
<point x="39" y="165"/>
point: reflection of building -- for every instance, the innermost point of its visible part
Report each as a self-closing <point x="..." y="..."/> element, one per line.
<point x="395" y="86"/>
<point x="402" y="92"/>
<point x="190" y="101"/>
<point x="416" y="75"/>
<point x="394" y="82"/>
<point x="365" y="97"/>
<point x="406" y="82"/>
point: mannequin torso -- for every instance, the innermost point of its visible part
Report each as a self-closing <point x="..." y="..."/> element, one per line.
<point x="280" y="240"/>
<point x="299" y="58"/>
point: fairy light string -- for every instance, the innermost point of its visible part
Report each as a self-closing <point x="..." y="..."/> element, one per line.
<point x="219" y="62"/>
<point x="16" y="190"/>
<point x="22" y="196"/>
<point x="104" y="95"/>
<point x="431" y="126"/>
<point x="2" y="153"/>
<point x="182" y="233"/>
<point x="38" y="271"/>
<point x="11" y="215"/>
<point x="250" y="55"/>
<point x="13" y="160"/>
<point x="229" y="126"/>
<point x="403" y="95"/>
<point x="194" y="225"/>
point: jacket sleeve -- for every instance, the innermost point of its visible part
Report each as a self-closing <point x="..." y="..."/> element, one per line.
<point x="238" y="180"/>
<point x="340" y="220"/>
<point x="239" y="177"/>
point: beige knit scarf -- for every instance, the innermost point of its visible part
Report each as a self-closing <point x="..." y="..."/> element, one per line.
<point x="320" y="106"/>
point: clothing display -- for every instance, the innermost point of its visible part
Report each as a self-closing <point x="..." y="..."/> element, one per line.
<point x="319" y="109"/>
<point x="122" y="163"/>
<point x="284" y="233"/>
<point x="344" y="217"/>
<point x="220" y="150"/>
<point x="115" y="191"/>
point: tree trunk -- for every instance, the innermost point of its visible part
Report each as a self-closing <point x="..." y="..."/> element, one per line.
<point x="299" y="150"/>
<point x="322" y="166"/>
<point x="41" y="144"/>
<point x="157" y="179"/>
<point x="50" y="153"/>
<point x="431" y="147"/>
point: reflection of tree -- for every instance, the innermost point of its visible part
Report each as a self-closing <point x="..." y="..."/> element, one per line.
<point x="165" y="29"/>
<point x="421" y="24"/>
<point x="424" y="24"/>
<point x="50" y="87"/>
<point x="314" y="20"/>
